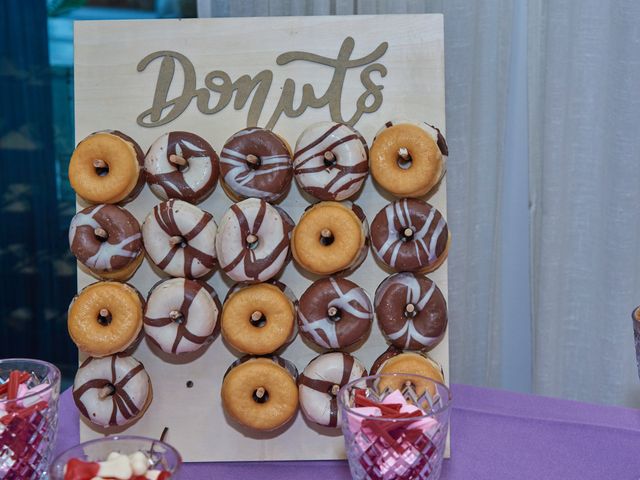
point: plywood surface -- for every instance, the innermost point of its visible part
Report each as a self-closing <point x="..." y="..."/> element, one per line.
<point x="110" y="93"/>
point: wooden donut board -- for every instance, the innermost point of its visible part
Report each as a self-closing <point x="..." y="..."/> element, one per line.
<point x="112" y="90"/>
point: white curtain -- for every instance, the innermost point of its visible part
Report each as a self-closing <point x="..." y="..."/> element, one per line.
<point x="539" y="94"/>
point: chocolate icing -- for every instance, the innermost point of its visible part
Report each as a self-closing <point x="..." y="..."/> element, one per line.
<point x="186" y="145"/>
<point x="425" y="246"/>
<point x="421" y="329"/>
<point x="269" y="178"/>
<point x="350" y="323"/>
<point x="121" y="247"/>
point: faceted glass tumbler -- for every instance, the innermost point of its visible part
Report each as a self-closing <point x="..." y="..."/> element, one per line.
<point x="27" y="435"/>
<point x="380" y="448"/>
<point x="162" y="456"/>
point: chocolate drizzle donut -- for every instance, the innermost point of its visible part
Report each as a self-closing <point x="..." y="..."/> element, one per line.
<point x="181" y="165"/>
<point x="331" y="161"/>
<point x="256" y="162"/>
<point x="319" y="384"/>
<point x="334" y="313"/>
<point x="112" y="391"/>
<point x="179" y="238"/>
<point x="181" y="315"/>
<point x="433" y="131"/>
<point x="411" y="311"/>
<point x="410" y="235"/>
<point x="253" y="241"/>
<point x="107" y="240"/>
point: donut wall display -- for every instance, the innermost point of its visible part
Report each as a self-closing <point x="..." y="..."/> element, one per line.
<point x="233" y="277"/>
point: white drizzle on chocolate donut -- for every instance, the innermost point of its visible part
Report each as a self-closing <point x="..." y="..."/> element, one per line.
<point x="181" y="315"/>
<point x="116" y="240"/>
<point x="331" y="161"/>
<point x="111" y="391"/>
<point x="416" y="251"/>
<point x="179" y="238"/>
<point x="334" y="313"/>
<point x="255" y="162"/>
<point x="411" y="311"/>
<point x="253" y="241"/>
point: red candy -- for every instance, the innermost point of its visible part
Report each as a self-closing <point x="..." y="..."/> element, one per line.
<point x="79" y="470"/>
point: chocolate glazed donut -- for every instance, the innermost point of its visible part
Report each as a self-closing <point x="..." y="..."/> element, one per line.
<point x="256" y="162"/>
<point x="411" y="311"/>
<point x="105" y="238"/>
<point x="410" y="235"/>
<point x="334" y="313"/>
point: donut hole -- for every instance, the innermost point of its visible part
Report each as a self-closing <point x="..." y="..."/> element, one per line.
<point x="260" y="395"/>
<point x="101" y="167"/>
<point x="101" y="234"/>
<point x="176" y="316"/>
<point x="179" y="162"/>
<point x="334" y="314"/>
<point x="252" y="241"/>
<point x="333" y="390"/>
<point x="177" y="241"/>
<point x="326" y="237"/>
<point x="406" y="234"/>
<point x="107" y="391"/>
<point x="104" y="317"/>
<point x="258" y="319"/>
<point x="253" y="161"/>
<point x="410" y="310"/>
<point x="329" y="159"/>
<point x="404" y="159"/>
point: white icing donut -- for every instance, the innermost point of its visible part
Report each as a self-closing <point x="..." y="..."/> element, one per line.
<point x="253" y="241"/>
<point x="111" y="391"/>
<point x="331" y="161"/>
<point x="181" y="165"/>
<point x="319" y="382"/>
<point x="179" y="238"/>
<point x="181" y="315"/>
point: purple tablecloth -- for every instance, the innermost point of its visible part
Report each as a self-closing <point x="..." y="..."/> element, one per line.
<point x="495" y="435"/>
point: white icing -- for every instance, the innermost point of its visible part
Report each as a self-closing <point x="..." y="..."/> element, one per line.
<point x="156" y="240"/>
<point x="231" y="241"/>
<point x="196" y="176"/>
<point x="348" y="154"/>
<point x="99" y="410"/>
<point x="202" y="315"/>
<point x="316" y="405"/>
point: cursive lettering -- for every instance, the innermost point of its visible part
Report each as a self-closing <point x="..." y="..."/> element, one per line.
<point x="219" y="89"/>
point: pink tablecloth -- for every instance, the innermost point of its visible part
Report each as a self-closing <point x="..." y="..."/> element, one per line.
<point x="495" y="435"/>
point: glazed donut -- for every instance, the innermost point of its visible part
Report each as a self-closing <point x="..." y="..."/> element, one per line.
<point x="319" y="384"/>
<point x="181" y="165"/>
<point x="181" y="315"/>
<point x="331" y="161"/>
<point x="331" y="237"/>
<point x="256" y="162"/>
<point x="253" y="241"/>
<point x="105" y="318"/>
<point x="411" y="311"/>
<point x="258" y="319"/>
<point x="106" y="239"/>
<point x="413" y="363"/>
<point x="179" y="238"/>
<point x="334" y="313"/>
<point x="408" y="159"/>
<point x="410" y="235"/>
<point x="107" y="167"/>
<point x="112" y="391"/>
<point x="260" y="392"/>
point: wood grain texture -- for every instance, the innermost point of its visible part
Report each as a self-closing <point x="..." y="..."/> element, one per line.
<point x="110" y="94"/>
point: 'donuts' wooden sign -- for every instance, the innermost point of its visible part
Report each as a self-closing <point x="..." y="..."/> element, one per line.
<point x="214" y="77"/>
